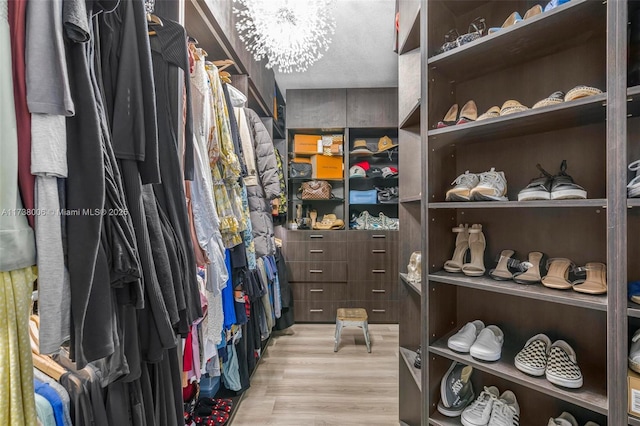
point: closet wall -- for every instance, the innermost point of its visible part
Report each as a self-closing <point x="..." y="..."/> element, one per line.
<point x="526" y="62"/>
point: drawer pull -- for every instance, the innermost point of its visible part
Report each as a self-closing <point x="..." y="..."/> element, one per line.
<point x="379" y="271"/>
<point x="378" y="291"/>
<point x="378" y="236"/>
<point x="378" y="311"/>
<point x="315" y="271"/>
<point x="316" y="311"/>
<point x="316" y="251"/>
<point x="378" y="251"/>
<point x="316" y="236"/>
<point x="316" y="290"/>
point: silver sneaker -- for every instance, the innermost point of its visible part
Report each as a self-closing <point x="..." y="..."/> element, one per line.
<point x="506" y="411"/>
<point x="492" y="187"/>
<point x="463" y="186"/>
<point x="479" y="412"/>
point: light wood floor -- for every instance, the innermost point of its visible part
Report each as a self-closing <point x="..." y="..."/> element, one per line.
<point x="302" y="382"/>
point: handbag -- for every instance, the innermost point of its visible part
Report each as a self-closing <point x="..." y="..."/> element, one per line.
<point x="300" y="170"/>
<point x="316" y="190"/>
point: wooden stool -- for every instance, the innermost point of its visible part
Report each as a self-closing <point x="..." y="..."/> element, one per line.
<point x="352" y="317"/>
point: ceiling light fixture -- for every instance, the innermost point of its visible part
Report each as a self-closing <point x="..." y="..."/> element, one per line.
<point x="291" y="34"/>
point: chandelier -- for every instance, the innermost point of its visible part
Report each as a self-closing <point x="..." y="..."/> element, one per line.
<point x="291" y="34"/>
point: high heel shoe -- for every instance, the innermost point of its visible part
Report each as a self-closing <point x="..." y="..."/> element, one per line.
<point x="506" y="263"/>
<point x="534" y="273"/>
<point x="451" y="118"/>
<point x="534" y="11"/>
<point x="468" y="113"/>
<point x="513" y="19"/>
<point x="477" y="245"/>
<point x="596" y="280"/>
<point x="558" y="273"/>
<point x="460" y="252"/>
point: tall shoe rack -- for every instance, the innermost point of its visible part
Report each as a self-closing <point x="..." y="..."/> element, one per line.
<point x="525" y="62"/>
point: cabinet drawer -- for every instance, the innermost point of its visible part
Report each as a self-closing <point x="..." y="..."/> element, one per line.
<point x="317" y="271"/>
<point x="367" y="290"/>
<point x="378" y="270"/>
<point x="379" y="312"/>
<point x="315" y="250"/>
<point x="314" y="311"/>
<point x="356" y="235"/>
<point x="377" y="251"/>
<point x="329" y="236"/>
<point x="319" y="291"/>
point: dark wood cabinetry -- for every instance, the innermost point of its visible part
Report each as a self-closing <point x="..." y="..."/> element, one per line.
<point x="321" y="108"/>
<point x="372" y="107"/>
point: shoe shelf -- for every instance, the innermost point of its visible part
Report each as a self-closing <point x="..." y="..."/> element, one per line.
<point x="438" y="419"/>
<point x="633" y="310"/>
<point x="634" y="421"/>
<point x="536" y="291"/>
<point x="576" y="113"/>
<point x="544" y="34"/>
<point x="411" y="285"/>
<point x="412" y="41"/>
<point x="633" y="99"/>
<point x="300" y="180"/>
<point x="412" y="118"/>
<point x="411" y="199"/>
<point x="588" y="396"/>
<point x="596" y="202"/>
<point x="633" y="202"/>
<point x="409" y="358"/>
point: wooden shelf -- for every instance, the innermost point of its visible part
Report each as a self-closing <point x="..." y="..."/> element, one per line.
<point x="278" y="132"/>
<point x="373" y="204"/>
<point x="634" y="421"/>
<point x="411" y="199"/>
<point x="633" y="309"/>
<point x="412" y="118"/>
<point x="537" y="291"/>
<point x="588" y="397"/>
<point x="330" y="200"/>
<point x="300" y="180"/>
<point x="539" y="36"/>
<point x="576" y="113"/>
<point x="438" y="419"/>
<point x="633" y="99"/>
<point x="410" y="284"/>
<point x="409" y="357"/>
<point x="633" y="202"/>
<point x="309" y="154"/>
<point x="596" y="203"/>
<point x="412" y="41"/>
<point x="460" y="7"/>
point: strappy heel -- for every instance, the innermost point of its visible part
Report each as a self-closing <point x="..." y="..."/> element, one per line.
<point x="506" y="263"/>
<point x="477" y="245"/>
<point x="558" y="273"/>
<point x="533" y="274"/>
<point x="460" y="252"/>
<point x="595" y="281"/>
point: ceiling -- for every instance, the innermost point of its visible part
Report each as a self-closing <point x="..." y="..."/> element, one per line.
<point x="360" y="54"/>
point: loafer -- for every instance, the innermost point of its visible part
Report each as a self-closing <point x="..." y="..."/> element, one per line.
<point x="512" y="107"/>
<point x="553" y="99"/>
<point x="488" y="345"/>
<point x="492" y="112"/>
<point x="465" y="337"/>
<point x="562" y="367"/>
<point x="579" y="92"/>
<point x="532" y="359"/>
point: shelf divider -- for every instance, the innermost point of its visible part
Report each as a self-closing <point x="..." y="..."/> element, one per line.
<point x="409" y="357"/>
<point x="595" y="203"/>
<point x="410" y="284"/>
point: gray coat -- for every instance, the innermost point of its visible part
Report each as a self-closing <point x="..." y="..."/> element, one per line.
<point x="268" y="187"/>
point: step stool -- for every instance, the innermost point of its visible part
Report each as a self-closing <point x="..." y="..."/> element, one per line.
<point x="356" y="317"/>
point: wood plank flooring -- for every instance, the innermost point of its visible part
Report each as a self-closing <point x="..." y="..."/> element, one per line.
<point x="302" y="382"/>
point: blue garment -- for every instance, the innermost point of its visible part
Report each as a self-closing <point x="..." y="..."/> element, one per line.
<point x="43" y="389"/>
<point x="272" y="273"/>
<point x="228" y="303"/>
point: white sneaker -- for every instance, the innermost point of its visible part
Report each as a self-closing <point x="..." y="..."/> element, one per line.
<point x="634" y="352"/>
<point x="492" y="187"/>
<point x="506" y="411"/>
<point x="479" y="412"/>
<point x="565" y="419"/>
<point x="488" y="345"/>
<point x="463" y="186"/>
<point x="464" y="338"/>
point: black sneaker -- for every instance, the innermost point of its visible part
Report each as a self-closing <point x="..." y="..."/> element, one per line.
<point x="456" y="390"/>
<point x="417" y="363"/>
<point x="539" y="188"/>
<point x="564" y="188"/>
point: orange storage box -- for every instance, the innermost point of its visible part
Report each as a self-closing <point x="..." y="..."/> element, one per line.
<point x="306" y="144"/>
<point x="327" y="167"/>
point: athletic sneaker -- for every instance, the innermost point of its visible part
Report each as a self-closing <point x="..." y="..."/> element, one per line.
<point x="492" y="187"/>
<point x="463" y="186"/>
<point x="506" y="411"/>
<point x="564" y="188"/>
<point x="465" y="337"/>
<point x="479" y="412"/>
<point x="456" y="390"/>
<point x="562" y="368"/>
<point x="565" y="419"/>
<point x="634" y="352"/>
<point x="532" y="359"/>
<point x="539" y="188"/>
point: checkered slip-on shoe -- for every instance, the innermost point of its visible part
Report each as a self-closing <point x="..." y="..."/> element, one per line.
<point x="532" y="359"/>
<point x="562" y="367"/>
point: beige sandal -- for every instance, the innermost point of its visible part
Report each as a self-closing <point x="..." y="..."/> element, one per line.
<point x="533" y="274"/>
<point x="477" y="245"/>
<point x="558" y="273"/>
<point x="313" y="214"/>
<point x="596" y="280"/>
<point x="462" y="245"/>
<point x="501" y="271"/>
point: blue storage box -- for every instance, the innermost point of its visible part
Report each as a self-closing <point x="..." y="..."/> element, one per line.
<point x="209" y="386"/>
<point x="363" y="197"/>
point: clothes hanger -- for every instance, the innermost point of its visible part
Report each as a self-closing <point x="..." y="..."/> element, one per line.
<point x="223" y="64"/>
<point x="42" y="362"/>
<point x="225" y="77"/>
<point x="153" y="20"/>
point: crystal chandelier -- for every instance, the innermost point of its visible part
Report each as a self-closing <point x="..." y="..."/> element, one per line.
<point x="290" y="34"/>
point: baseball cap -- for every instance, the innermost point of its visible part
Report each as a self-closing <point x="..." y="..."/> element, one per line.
<point x="389" y="172"/>
<point x="357" y="172"/>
